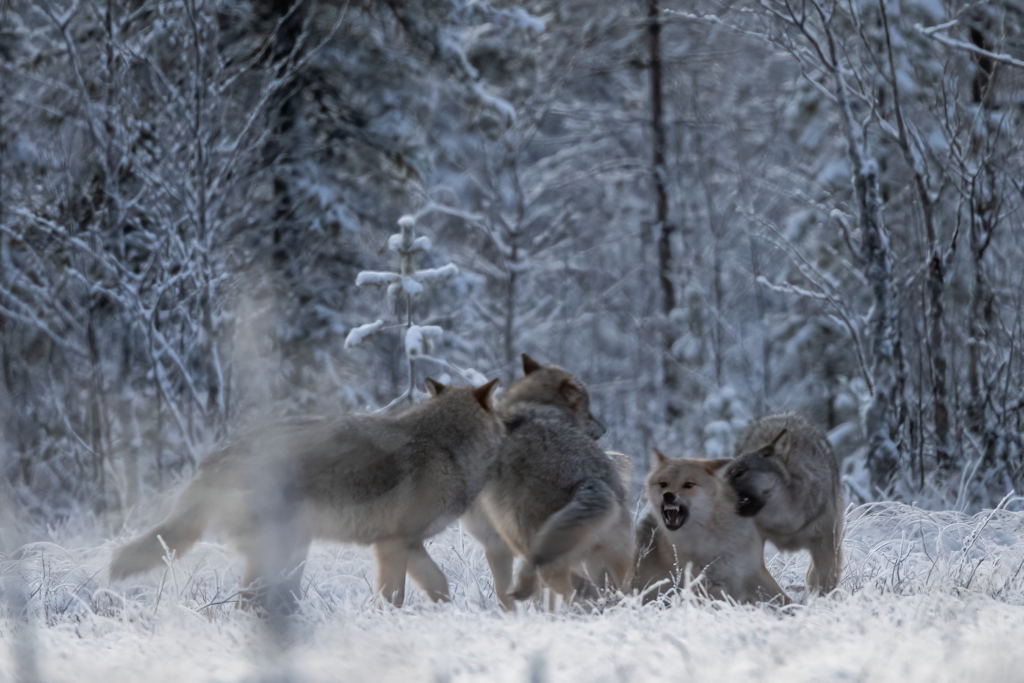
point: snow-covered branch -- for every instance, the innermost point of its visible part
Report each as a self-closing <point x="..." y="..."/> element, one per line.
<point x="358" y="334"/>
<point x="934" y="34"/>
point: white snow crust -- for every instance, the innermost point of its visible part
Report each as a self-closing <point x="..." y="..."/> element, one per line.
<point x="925" y="596"/>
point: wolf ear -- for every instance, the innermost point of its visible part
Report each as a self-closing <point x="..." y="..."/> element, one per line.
<point x="530" y="365"/>
<point x="712" y="466"/>
<point x="571" y="391"/>
<point x="433" y="386"/>
<point x="657" y="459"/>
<point x="781" y="444"/>
<point x="483" y="394"/>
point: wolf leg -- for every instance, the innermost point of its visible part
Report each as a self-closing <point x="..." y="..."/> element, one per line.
<point x="286" y="588"/>
<point x="767" y="589"/>
<point x="579" y="520"/>
<point x="179" y="533"/>
<point x="392" y="562"/>
<point x="561" y="582"/>
<point x="275" y="560"/>
<point x="500" y="560"/>
<point x="499" y="556"/>
<point x="427" y="575"/>
<point x="611" y="562"/>
<point x="611" y="568"/>
<point x="526" y="582"/>
<point x="826" y="564"/>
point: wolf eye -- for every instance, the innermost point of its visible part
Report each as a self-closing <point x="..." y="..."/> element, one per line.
<point x="689" y="485"/>
<point x="663" y="484"/>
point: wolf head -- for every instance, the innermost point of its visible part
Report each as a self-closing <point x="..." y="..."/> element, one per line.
<point x="756" y="474"/>
<point x="551" y="385"/>
<point x="682" y="490"/>
<point x="467" y="408"/>
<point x="483" y="394"/>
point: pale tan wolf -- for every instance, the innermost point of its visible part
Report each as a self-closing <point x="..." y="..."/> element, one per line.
<point x="787" y="479"/>
<point x="692" y="525"/>
<point x="554" y="497"/>
<point x="387" y="480"/>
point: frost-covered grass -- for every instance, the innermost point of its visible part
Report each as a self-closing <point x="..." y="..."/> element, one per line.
<point x="925" y="596"/>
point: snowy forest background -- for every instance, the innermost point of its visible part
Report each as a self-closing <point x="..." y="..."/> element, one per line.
<point x="213" y="212"/>
<point x="707" y="211"/>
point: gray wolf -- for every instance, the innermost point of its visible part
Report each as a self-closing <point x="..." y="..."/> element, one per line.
<point x="787" y="479"/>
<point x="692" y="525"/>
<point x="553" y="496"/>
<point x="387" y="480"/>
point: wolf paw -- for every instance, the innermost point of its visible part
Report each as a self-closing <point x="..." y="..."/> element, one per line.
<point x="526" y="583"/>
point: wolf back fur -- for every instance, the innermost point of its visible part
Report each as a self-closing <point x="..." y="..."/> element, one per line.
<point x="554" y="497"/>
<point x="387" y="480"/>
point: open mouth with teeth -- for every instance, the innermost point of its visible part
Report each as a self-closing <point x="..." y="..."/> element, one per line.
<point x="674" y="515"/>
<point x="749" y="504"/>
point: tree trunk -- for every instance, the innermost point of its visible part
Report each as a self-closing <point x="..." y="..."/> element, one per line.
<point x="981" y="309"/>
<point x="980" y="84"/>
<point x="510" y="302"/>
<point x="882" y="460"/>
<point x="97" y="407"/>
<point x="670" y="373"/>
<point x="407" y="266"/>
<point x="876" y="262"/>
<point x="937" y="354"/>
<point x="936" y="278"/>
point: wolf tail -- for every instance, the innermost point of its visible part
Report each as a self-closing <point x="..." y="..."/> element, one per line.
<point x="591" y="505"/>
<point x="179" y="532"/>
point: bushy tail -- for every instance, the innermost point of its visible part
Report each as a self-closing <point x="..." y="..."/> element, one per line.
<point x="589" y="508"/>
<point x="179" y="532"/>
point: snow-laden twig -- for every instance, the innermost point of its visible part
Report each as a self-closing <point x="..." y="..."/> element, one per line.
<point x="436" y="276"/>
<point x="398" y="399"/>
<point x="356" y="336"/>
<point x="435" y="207"/>
<point x="376" y="278"/>
<point x="826" y="293"/>
<point x="419" y="340"/>
<point x="938" y="27"/>
<point x="934" y="34"/>
<point x="470" y="375"/>
<point x="419" y="244"/>
<point x="408" y="285"/>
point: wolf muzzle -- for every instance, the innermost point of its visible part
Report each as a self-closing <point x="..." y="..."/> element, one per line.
<point x="749" y="502"/>
<point x="673" y="511"/>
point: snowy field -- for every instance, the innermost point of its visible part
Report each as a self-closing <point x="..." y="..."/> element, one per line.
<point x="925" y="596"/>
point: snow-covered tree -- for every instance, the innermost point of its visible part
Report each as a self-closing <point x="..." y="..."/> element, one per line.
<point x="408" y="284"/>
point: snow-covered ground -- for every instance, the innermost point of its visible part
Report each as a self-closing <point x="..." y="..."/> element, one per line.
<point x="925" y="596"/>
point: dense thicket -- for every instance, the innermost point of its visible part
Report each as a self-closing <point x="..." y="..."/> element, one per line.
<point x="189" y="189"/>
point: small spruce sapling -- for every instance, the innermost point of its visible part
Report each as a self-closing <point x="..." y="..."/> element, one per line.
<point x="409" y="283"/>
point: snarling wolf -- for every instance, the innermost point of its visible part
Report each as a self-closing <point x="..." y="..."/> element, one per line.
<point x="787" y="480"/>
<point x="692" y="525"/>
<point x="390" y="481"/>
